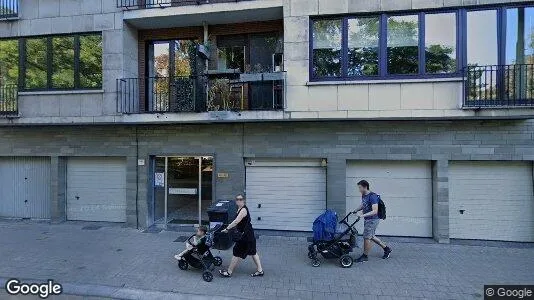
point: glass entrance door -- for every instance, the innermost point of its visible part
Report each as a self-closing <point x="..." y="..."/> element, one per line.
<point x="182" y="189"/>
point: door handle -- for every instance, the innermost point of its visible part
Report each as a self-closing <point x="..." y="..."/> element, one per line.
<point x="77" y="197"/>
<point x="462" y="211"/>
<point x="259" y="205"/>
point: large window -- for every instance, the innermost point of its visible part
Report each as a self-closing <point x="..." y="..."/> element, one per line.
<point x="61" y="62"/>
<point x="363" y="47"/>
<point x="9" y="62"/>
<point x="327" y="48"/>
<point x="385" y="46"/>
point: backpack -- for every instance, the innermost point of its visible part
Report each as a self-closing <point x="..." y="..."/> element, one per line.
<point x="381" y="208"/>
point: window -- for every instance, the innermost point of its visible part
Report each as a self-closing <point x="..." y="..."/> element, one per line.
<point x="520" y="35"/>
<point x="327" y="48"/>
<point x="440" y="43"/>
<point x="403" y="44"/>
<point x="9" y="62"/>
<point x="385" y="46"/>
<point x="482" y="38"/>
<point x="363" y="46"/>
<point x="62" y="62"/>
<point x="36" y="63"/>
<point x="90" y="61"/>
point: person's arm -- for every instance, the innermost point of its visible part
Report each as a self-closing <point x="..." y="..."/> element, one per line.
<point x="358" y="209"/>
<point x="240" y="216"/>
<point x="374" y="206"/>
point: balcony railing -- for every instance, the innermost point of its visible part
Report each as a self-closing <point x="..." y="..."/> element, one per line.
<point x="9" y="100"/>
<point x="9" y="9"/>
<point x="499" y="86"/>
<point x="260" y="91"/>
<point x="143" y="4"/>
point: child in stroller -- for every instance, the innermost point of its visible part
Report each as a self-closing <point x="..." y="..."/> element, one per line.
<point x="198" y="254"/>
<point x="333" y="239"/>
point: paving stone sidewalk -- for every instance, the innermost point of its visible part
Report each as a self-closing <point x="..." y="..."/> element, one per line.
<point x="125" y="259"/>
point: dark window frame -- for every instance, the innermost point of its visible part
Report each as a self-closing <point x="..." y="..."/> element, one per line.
<point x="49" y="62"/>
<point x="461" y="42"/>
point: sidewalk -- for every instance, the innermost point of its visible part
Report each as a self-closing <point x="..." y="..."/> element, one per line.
<point x="133" y="265"/>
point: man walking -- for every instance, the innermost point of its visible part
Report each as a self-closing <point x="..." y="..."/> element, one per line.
<point x="369" y="208"/>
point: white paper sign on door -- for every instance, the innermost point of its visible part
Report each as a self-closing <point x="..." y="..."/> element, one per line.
<point x="159" y="179"/>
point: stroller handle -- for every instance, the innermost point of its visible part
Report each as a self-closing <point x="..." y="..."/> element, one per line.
<point x="345" y="219"/>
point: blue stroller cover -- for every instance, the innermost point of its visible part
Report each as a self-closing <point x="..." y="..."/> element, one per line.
<point x="324" y="227"/>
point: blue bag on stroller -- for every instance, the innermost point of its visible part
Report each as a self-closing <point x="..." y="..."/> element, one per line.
<point x="324" y="227"/>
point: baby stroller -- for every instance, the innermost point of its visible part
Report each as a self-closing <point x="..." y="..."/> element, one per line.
<point x="333" y="239"/>
<point x="200" y="257"/>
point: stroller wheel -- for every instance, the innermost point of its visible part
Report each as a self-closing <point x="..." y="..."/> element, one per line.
<point x="346" y="261"/>
<point x="316" y="263"/>
<point x="183" y="265"/>
<point x="217" y="261"/>
<point x="207" y="276"/>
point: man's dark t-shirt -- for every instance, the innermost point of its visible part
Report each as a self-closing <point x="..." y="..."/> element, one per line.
<point x="367" y="202"/>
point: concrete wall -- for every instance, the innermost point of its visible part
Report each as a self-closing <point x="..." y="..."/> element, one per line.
<point x="439" y="142"/>
<point x="430" y="98"/>
<point x="47" y="17"/>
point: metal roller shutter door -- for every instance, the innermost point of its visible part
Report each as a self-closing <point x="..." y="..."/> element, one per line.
<point x="285" y="197"/>
<point x="491" y="201"/>
<point x="25" y="187"/>
<point x="405" y="187"/>
<point x="96" y="189"/>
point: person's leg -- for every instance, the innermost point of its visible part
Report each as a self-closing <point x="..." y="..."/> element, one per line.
<point x="233" y="264"/>
<point x="378" y="242"/>
<point x="367" y="246"/>
<point x="257" y="262"/>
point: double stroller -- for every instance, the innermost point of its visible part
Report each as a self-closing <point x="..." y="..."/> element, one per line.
<point x="200" y="256"/>
<point x="333" y="239"/>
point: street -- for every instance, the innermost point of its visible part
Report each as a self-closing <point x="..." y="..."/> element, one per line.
<point x="110" y="261"/>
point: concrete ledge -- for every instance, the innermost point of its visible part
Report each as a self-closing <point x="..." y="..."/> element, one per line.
<point x="382" y="81"/>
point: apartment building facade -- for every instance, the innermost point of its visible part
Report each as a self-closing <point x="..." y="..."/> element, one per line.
<point x="147" y="111"/>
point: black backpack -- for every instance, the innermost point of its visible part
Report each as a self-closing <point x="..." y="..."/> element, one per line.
<point x="381" y="208"/>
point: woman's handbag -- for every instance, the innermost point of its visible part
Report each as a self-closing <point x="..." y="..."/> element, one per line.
<point x="237" y="235"/>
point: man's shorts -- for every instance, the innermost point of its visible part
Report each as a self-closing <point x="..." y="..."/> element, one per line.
<point x="369" y="228"/>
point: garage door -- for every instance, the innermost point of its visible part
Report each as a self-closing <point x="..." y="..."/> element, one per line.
<point x="96" y="189"/>
<point x="283" y="195"/>
<point x="25" y="187"/>
<point x="491" y="201"/>
<point x="405" y="187"/>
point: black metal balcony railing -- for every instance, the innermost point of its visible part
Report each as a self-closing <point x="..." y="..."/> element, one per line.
<point x="499" y="86"/>
<point x="9" y="9"/>
<point x="262" y="91"/>
<point x="142" y="4"/>
<point x="8" y="100"/>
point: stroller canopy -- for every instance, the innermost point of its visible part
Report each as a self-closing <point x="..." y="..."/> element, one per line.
<point x="324" y="227"/>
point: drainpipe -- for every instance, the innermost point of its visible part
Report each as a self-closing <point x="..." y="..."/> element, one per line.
<point x="206" y="40"/>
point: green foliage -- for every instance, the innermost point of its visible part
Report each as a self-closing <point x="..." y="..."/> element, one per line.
<point x="9" y="62"/>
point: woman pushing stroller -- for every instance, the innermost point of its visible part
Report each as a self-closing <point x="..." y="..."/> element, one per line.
<point x="245" y="241"/>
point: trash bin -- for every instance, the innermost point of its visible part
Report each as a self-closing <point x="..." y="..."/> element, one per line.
<point x="223" y="212"/>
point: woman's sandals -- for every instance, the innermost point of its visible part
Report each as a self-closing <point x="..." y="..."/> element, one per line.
<point x="257" y="274"/>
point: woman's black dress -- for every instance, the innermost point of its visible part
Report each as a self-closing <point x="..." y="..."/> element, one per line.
<point x="247" y="245"/>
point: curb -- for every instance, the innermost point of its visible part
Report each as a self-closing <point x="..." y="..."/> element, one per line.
<point x="114" y="292"/>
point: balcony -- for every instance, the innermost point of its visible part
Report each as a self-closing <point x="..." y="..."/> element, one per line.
<point x="9" y="9"/>
<point x="496" y="86"/>
<point x="204" y="93"/>
<point x="9" y="100"/>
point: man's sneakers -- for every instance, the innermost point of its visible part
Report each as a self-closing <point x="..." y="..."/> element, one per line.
<point x="387" y="252"/>
<point x="362" y="258"/>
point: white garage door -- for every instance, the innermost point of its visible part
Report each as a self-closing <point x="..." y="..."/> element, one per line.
<point x="25" y="187"/>
<point x="405" y="187"/>
<point x="285" y="195"/>
<point x="491" y="201"/>
<point x="96" y="189"/>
